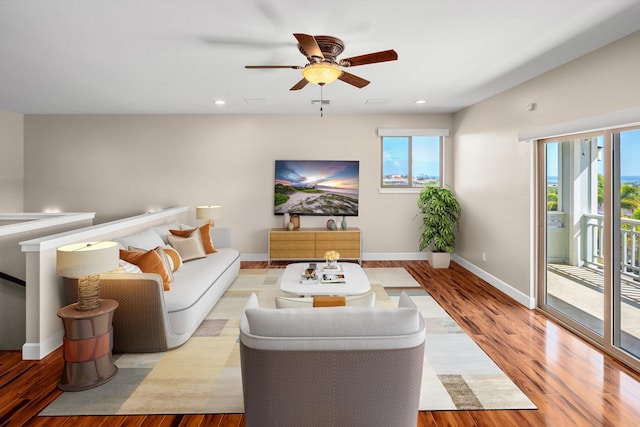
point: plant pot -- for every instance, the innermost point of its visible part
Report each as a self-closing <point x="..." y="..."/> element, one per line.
<point x="439" y="259"/>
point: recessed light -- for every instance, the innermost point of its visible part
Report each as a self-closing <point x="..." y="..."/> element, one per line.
<point x="219" y="102"/>
<point x="421" y="101"/>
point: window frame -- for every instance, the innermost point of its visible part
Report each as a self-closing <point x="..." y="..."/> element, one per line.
<point x="410" y="134"/>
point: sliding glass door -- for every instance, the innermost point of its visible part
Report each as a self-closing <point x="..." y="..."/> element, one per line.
<point x="626" y="290"/>
<point x="574" y="277"/>
<point x="589" y="258"/>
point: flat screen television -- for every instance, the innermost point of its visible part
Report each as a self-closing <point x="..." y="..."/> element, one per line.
<point x="316" y="187"/>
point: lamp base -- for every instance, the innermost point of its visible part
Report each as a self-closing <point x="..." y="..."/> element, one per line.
<point x="88" y="292"/>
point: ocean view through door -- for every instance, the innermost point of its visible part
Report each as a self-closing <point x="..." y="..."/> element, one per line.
<point x="589" y="206"/>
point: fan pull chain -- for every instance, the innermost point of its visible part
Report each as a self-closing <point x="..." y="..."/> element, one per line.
<point x="321" y="100"/>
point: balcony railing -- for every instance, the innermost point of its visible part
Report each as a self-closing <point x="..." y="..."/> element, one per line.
<point x="593" y="229"/>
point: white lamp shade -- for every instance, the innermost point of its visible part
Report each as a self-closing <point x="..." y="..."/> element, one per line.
<point x="88" y="258"/>
<point x="208" y="212"/>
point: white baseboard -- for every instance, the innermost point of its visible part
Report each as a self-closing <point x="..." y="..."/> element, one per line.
<point x="253" y="257"/>
<point x="524" y="299"/>
<point x="37" y="351"/>
<point x="395" y="256"/>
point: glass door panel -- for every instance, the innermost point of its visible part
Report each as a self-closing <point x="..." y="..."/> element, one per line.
<point x="574" y="285"/>
<point x="626" y="283"/>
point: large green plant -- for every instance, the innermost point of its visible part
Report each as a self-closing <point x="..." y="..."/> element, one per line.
<point x="440" y="213"/>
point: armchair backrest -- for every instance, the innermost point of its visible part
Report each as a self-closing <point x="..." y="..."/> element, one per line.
<point x="332" y="366"/>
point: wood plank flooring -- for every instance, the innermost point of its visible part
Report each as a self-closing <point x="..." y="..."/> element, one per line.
<point x="571" y="382"/>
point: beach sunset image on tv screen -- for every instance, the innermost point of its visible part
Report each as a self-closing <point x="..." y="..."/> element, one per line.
<point x="317" y="187"/>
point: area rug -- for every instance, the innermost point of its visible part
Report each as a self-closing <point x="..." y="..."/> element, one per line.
<point x="203" y="376"/>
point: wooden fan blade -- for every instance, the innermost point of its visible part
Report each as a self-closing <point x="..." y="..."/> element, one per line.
<point x="370" y="58"/>
<point x="354" y="80"/>
<point x="253" y="67"/>
<point x="309" y="45"/>
<point x="302" y="83"/>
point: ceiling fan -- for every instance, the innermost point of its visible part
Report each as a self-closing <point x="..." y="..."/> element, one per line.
<point x="324" y="67"/>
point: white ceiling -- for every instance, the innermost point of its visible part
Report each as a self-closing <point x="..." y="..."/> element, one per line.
<point x="178" y="56"/>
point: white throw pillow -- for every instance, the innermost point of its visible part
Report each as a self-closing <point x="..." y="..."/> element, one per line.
<point x="189" y="248"/>
<point x="146" y="239"/>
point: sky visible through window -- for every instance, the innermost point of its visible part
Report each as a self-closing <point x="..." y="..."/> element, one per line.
<point x="425" y="151"/>
<point x="629" y="158"/>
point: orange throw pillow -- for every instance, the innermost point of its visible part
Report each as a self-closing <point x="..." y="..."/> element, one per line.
<point x="175" y="257"/>
<point x="205" y="233"/>
<point x="182" y="233"/>
<point x="149" y="262"/>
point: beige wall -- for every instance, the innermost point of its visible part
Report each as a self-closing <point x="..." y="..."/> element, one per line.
<point x="493" y="171"/>
<point x="11" y="162"/>
<point x="123" y="165"/>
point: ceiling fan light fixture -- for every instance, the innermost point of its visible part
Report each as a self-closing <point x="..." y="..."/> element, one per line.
<point x="322" y="73"/>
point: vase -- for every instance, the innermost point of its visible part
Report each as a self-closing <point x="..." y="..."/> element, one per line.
<point x="286" y="219"/>
<point x="295" y="219"/>
<point x="343" y="225"/>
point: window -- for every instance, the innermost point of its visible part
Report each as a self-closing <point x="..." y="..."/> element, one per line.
<point x="411" y="161"/>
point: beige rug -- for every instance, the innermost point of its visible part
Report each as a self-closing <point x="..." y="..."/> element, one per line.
<point x="203" y="376"/>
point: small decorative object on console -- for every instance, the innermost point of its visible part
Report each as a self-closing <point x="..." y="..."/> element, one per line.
<point x="295" y="220"/>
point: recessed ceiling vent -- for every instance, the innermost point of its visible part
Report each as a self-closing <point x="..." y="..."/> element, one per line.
<point x="377" y="101"/>
<point x="321" y="101"/>
<point x="256" y="101"/>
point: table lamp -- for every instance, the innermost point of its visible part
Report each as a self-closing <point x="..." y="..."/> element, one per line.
<point x="208" y="213"/>
<point x="86" y="261"/>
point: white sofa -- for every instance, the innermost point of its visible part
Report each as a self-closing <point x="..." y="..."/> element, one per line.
<point x="149" y="318"/>
<point x="334" y="366"/>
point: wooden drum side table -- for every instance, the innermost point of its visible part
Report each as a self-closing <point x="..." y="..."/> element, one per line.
<point x="87" y="346"/>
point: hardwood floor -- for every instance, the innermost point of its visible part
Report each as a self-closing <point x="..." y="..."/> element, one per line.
<point x="571" y="382"/>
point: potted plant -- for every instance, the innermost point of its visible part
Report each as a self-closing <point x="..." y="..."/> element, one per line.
<point x="440" y="213"/>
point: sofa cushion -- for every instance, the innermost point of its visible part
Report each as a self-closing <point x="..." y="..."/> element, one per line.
<point x="168" y="264"/>
<point x="189" y="248"/>
<point x="333" y="322"/>
<point x="149" y="262"/>
<point x="204" y="232"/>
<point x="163" y="230"/>
<point x="195" y="278"/>
<point x="146" y="239"/>
<point x="126" y="267"/>
<point x="174" y="257"/>
<point x="332" y="328"/>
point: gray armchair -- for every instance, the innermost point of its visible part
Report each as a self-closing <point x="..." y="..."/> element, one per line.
<point x="335" y="366"/>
